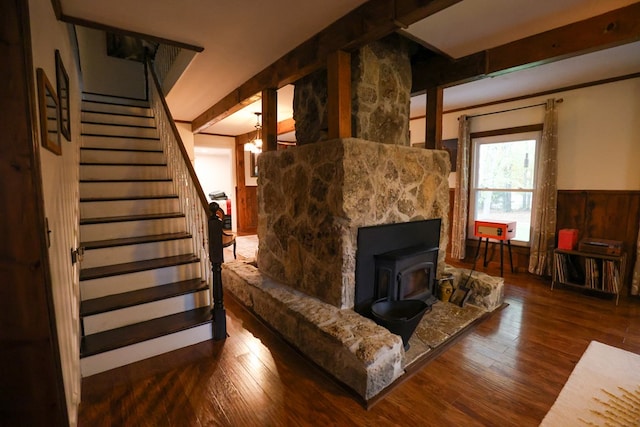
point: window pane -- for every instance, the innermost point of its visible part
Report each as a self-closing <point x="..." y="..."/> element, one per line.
<point x="506" y="206"/>
<point x="505" y="165"/>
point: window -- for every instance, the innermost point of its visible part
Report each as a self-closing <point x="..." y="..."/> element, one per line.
<point x="502" y="180"/>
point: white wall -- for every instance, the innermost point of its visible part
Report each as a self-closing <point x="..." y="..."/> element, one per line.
<point x="598" y="133"/>
<point x="60" y="187"/>
<point x="187" y="137"/>
<point x="105" y="74"/>
<point x="215" y="167"/>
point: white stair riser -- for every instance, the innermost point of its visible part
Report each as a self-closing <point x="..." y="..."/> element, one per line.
<point x="98" y="129"/>
<point x="124" y="157"/>
<point x="124" y="172"/>
<point x="125" y="189"/>
<point x="143" y="312"/>
<point x="123" y="356"/>
<point x="117" y="119"/>
<point x="132" y="253"/>
<point x="96" y="288"/>
<point x="120" y="143"/>
<point x="123" y="229"/>
<point x="114" y="100"/>
<point x="128" y="207"/>
<point x="116" y="109"/>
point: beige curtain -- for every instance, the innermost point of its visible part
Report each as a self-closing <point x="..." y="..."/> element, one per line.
<point x="543" y="237"/>
<point x="460" y="203"/>
<point x="635" y="280"/>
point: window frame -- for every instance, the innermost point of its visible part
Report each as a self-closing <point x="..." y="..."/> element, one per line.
<point x="498" y="136"/>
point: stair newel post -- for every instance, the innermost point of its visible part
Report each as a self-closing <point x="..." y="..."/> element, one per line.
<point x="217" y="258"/>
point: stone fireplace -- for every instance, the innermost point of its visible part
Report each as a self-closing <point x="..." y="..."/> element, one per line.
<point x="313" y="201"/>
<point x="314" y="198"/>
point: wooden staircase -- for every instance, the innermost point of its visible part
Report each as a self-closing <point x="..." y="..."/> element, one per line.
<point x="140" y="282"/>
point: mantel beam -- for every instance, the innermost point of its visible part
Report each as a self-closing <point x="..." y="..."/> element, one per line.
<point x="610" y="29"/>
<point x="371" y="21"/>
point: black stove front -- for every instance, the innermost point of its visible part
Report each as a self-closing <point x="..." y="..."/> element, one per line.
<point x="396" y="261"/>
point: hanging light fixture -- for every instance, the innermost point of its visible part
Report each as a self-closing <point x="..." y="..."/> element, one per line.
<point x="255" y="146"/>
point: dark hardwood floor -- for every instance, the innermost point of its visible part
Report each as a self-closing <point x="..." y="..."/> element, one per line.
<point x="507" y="371"/>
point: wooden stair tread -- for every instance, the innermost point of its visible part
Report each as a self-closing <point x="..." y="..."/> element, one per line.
<point x="120" y="136"/>
<point x="140" y="296"/>
<point x="98" y="244"/>
<point x="84" y="221"/>
<point x="148" y="115"/>
<point x="133" y="267"/>
<point x="115" y="199"/>
<point x="143" y="331"/>
<point x="129" y="180"/>
<point x="120" y="164"/>
<point x="122" y="125"/>
<point x="137" y="150"/>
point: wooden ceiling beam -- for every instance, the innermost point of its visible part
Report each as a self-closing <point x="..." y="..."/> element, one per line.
<point x="286" y="126"/>
<point x="610" y="29"/>
<point x="370" y="21"/>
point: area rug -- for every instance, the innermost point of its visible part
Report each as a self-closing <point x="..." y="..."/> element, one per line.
<point x="603" y="389"/>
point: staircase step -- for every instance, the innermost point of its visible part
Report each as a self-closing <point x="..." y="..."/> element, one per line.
<point x="173" y="302"/>
<point x="120" y="227"/>
<point x="110" y="243"/>
<point x="111" y="285"/>
<point x="123" y="207"/>
<point x="125" y="189"/>
<point x="120" y="251"/>
<point x="139" y="332"/>
<point x="117" y="119"/>
<point x="140" y="296"/>
<point x="129" y="110"/>
<point x="122" y="172"/>
<point x="112" y="99"/>
<point x="118" y="130"/>
<point x="117" y="142"/>
<point x="127" y="218"/>
<point x="119" y="156"/>
<point x="133" y="267"/>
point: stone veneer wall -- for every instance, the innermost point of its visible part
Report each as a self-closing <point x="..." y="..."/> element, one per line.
<point x="312" y="199"/>
<point x="381" y="92"/>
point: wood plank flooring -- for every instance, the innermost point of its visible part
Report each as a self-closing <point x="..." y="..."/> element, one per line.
<point x="507" y="371"/>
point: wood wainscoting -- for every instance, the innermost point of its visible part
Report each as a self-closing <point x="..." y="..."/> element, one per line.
<point x="606" y="214"/>
<point x="247" y="210"/>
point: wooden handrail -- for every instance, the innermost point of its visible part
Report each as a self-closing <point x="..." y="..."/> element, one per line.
<point x="185" y="155"/>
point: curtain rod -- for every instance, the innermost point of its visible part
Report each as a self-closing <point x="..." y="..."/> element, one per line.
<point x="559" y="101"/>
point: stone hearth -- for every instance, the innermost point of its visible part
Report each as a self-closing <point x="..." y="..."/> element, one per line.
<point x="364" y="356"/>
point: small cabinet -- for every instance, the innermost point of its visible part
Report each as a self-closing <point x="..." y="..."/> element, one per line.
<point x="589" y="271"/>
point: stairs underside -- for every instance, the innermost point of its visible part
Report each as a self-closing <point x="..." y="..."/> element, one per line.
<point x="140" y="283"/>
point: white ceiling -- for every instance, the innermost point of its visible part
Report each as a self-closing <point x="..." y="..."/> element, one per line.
<point x="242" y="37"/>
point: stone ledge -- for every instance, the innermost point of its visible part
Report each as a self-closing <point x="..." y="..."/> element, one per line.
<point x="487" y="291"/>
<point x="363" y="355"/>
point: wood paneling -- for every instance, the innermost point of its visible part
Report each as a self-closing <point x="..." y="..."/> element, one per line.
<point x="603" y="214"/>
<point x="248" y="218"/>
<point x="507" y="371"/>
<point x="613" y="215"/>
<point x="31" y="390"/>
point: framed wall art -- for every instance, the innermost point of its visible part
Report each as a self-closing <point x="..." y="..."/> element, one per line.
<point x="49" y="113"/>
<point x="62" y="80"/>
